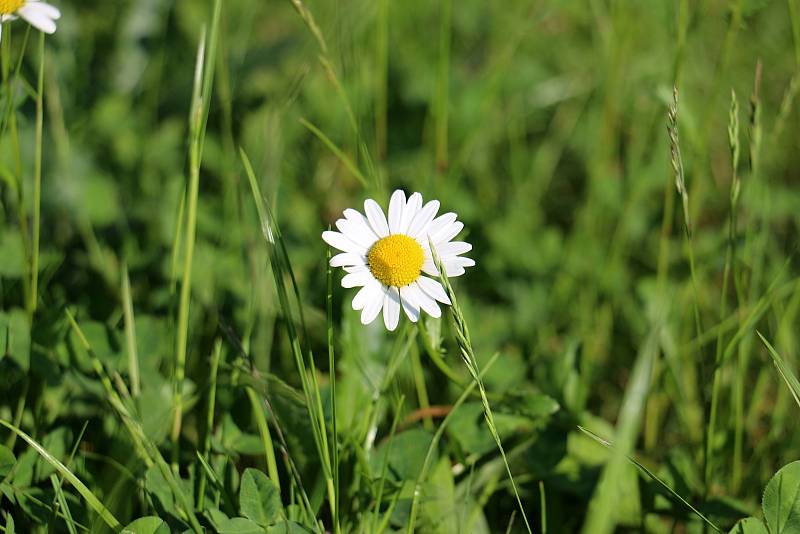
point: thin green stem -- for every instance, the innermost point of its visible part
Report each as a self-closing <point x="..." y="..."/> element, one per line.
<point x="191" y="232"/>
<point x="37" y="183"/>
<point x="209" y="430"/>
<point x="332" y="377"/>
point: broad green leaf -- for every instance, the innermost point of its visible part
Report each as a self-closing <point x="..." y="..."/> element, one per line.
<point x="406" y="451"/>
<point x="781" y="502"/>
<point x="439" y="513"/>
<point x="749" y="525"/>
<point x="288" y="527"/>
<point x="239" y="525"/>
<point x="7" y="461"/>
<point x="147" y="525"/>
<point x="157" y="486"/>
<point x="259" y="499"/>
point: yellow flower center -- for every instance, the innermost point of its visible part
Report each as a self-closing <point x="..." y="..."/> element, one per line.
<point x="9" y="7"/>
<point x="396" y="260"/>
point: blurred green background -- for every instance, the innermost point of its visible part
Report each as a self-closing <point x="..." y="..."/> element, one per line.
<point x="542" y="124"/>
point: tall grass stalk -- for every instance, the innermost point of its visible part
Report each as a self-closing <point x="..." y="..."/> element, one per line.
<point x="325" y="60"/>
<point x="382" y="79"/>
<point x="198" y="116"/>
<point x="676" y="161"/>
<point x="468" y="356"/>
<point x="130" y="333"/>
<point x="332" y="377"/>
<point x="442" y="102"/>
<point x="730" y="255"/>
<point x="37" y="183"/>
<point x="304" y="359"/>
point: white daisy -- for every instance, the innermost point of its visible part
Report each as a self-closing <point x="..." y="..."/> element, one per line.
<point x="40" y="15"/>
<point x="387" y="258"/>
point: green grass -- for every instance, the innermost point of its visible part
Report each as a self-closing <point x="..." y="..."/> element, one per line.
<point x="176" y="355"/>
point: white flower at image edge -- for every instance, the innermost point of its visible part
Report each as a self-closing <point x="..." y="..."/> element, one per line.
<point x="389" y="258"/>
<point x="40" y="15"/>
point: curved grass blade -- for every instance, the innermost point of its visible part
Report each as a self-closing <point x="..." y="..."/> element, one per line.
<point x="785" y="371"/>
<point x="653" y="477"/>
<point x="85" y="492"/>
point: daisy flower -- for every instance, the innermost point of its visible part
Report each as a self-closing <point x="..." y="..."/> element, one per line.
<point x="40" y="15"/>
<point x="388" y="259"/>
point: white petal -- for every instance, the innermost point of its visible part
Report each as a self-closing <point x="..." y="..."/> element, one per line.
<point x="373" y="306"/>
<point x="433" y="288"/>
<point x="446" y="234"/>
<point x="391" y="309"/>
<point x="356" y="268"/>
<point x="47" y="9"/>
<point x="367" y="293"/>
<point x="421" y="220"/>
<point x="341" y="242"/>
<point x="396" y="205"/>
<point x="37" y="17"/>
<point x="428" y="267"/>
<point x="359" y="219"/>
<point x="360" y="234"/>
<point x="441" y="222"/>
<point x="348" y="258"/>
<point x="377" y="220"/>
<point x="357" y="279"/>
<point x="409" y="305"/>
<point x="416" y="295"/>
<point x="453" y="248"/>
<point x="412" y="207"/>
<point x="455" y="266"/>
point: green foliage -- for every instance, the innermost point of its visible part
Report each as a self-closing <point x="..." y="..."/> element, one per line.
<point x="622" y="358"/>
<point x="782" y="500"/>
<point x="146" y="525"/>
<point x="259" y="499"/>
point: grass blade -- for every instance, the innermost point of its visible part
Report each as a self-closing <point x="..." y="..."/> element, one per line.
<point x="600" y="516"/>
<point x="653" y="477"/>
<point x="90" y="498"/>
<point x="783" y="368"/>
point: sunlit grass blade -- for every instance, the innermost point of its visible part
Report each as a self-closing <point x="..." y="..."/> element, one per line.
<point x="37" y="183"/>
<point x="785" y="371"/>
<point x="334" y="488"/>
<point x="600" y="517"/>
<point x="209" y="426"/>
<point x="62" y="505"/>
<point x="87" y="494"/>
<point x="304" y="359"/>
<point x="340" y="155"/>
<point x="653" y="477"/>
<point x="130" y="333"/>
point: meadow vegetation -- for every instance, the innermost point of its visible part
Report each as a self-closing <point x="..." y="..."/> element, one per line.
<point x="177" y="356"/>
